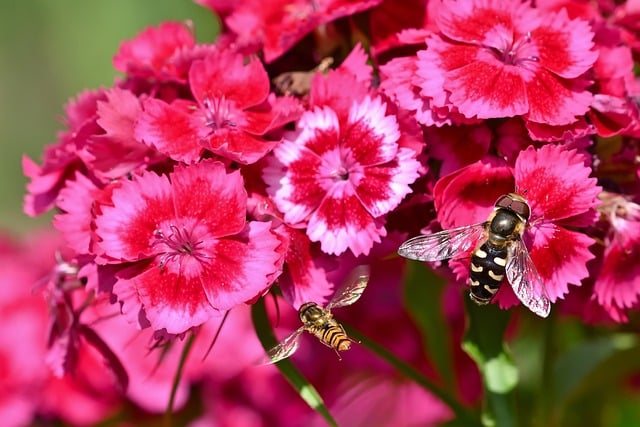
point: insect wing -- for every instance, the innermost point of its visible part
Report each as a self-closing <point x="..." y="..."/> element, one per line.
<point x="286" y="348"/>
<point x="444" y="244"/>
<point x="353" y="288"/>
<point x="526" y="281"/>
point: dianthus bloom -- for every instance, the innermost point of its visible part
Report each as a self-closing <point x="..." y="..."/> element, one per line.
<point x="193" y="254"/>
<point x="617" y="287"/>
<point x="503" y="58"/>
<point x="343" y="172"/>
<point x="231" y="113"/>
<point x="562" y="198"/>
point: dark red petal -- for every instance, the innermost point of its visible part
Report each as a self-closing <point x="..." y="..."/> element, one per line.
<point x="467" y="196"/>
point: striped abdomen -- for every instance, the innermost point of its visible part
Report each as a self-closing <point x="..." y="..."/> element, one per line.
<point x="333" y="335"/>
<point x="487" y="271"/>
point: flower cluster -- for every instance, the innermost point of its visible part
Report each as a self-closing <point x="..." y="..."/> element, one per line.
<point x="209" y="174"/>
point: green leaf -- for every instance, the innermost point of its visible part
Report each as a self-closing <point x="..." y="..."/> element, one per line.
<point x="423" y="300"/>
<point x="305" y="389"/>
<point x="594" y="367"/>
<point x="483" y="342"/>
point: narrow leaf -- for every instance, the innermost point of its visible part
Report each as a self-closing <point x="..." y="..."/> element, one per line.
<point x="423" y="300"/>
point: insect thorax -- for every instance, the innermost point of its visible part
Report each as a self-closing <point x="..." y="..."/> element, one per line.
<point x="311" y="314"/>
<point x="504" y="226"/>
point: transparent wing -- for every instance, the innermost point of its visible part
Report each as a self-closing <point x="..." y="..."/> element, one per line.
<point x="526" y="281"/>
<point x="352" y="288"/>
<point x="444" y="244"/>
<point x="286" y="348"/>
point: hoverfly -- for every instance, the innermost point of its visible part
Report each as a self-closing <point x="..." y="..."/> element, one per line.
<point x="320" y="322"/>
<point x="499" y="251"/>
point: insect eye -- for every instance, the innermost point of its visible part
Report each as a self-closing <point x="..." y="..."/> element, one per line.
<point x="514" y="203"/>
<point x="521" y="209"/>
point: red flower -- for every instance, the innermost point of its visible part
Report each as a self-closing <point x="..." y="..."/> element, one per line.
<point x="193" y="254"/>
<point x="617" y="286"/>
<point x="342" y="174"/>
<point x="278" y="25"/>
<point x="560" y="193"/>
<point x="502" y="58"/>
<point x="231" y="113"/>
<point x="155" y="53"/>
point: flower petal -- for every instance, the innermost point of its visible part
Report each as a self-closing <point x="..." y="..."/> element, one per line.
<point x="555" y="101"/>
<point x="342" y="223"/>
<point x="371" y="135"/>
<point x="384" y="186"/>
<point x="171" y="301"/>
<point x="224" y="75"/>
<point x="560" y="256"/>
<point x="555" y="190"/>
<point x="243" y="266"/>
<point x="171" y="130"/>
<point x="207" y="192"/>
<point x="125" y="230"/>
<point x="618" y="283"/>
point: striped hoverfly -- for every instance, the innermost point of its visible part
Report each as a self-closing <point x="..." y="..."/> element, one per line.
<point x="319" y="321"/>
<point x="499" y="252"/>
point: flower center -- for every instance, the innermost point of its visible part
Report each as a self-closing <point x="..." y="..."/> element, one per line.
<point x="177" y="245"/>
<point x="516" y="52"/>
<point x="342" y="173"/>
<point x="218" y="113"/>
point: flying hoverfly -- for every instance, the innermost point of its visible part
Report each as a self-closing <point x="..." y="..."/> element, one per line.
<point x="319" y="321"/>
<point x="499" y="251"/>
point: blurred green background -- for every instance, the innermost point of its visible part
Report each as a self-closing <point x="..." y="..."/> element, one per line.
<point x="49" y="51"/>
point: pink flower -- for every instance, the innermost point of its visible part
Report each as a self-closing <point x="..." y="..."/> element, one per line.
<point x="618" y="284"/>
<point x="341" y="173"/>
<point x="114" y="152"/>
<point x="278" y="25"/>
<point x="560" y="193"/>
<point x="61" y="159"/>
<point x="155" y="53"/>
<point x="502" y="58"/>
<point x="230" y="116"/>
<point x="193" y="254"/>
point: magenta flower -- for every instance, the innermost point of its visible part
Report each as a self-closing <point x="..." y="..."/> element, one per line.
<point x="561" y="195"/>
<point x="277" y="25"/>
<point x="192" y="250"/>
<point x="61" y="160"/>
<point x="503" y="58"/>
<point x="156" y="53"/>
<point x="342" y="173"/>
<point x="231" y="113"/>
<point x="617" y="287"/>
